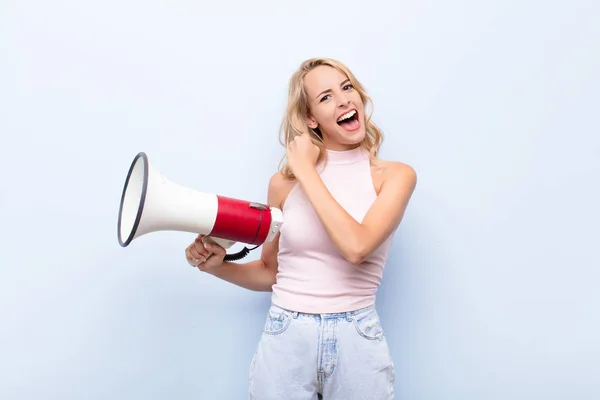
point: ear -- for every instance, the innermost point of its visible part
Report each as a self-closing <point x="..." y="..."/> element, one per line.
<point x="311" y="122"/>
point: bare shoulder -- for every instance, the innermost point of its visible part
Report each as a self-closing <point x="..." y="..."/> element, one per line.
<point x="402" y="171"/>
<point x="393" y="174"/>
<point x="279" y="188"/>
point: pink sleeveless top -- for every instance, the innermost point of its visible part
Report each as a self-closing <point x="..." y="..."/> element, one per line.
<point x="313" y="277"/>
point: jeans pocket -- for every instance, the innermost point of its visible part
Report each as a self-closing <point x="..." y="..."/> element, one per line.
<point x="277" y="321"/>
<point x="368" y="325"/>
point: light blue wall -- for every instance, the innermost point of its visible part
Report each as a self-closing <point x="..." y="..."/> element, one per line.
<point x="492" y="288"/>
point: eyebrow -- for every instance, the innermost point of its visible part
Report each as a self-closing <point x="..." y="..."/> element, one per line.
<point x="329" y="90"/>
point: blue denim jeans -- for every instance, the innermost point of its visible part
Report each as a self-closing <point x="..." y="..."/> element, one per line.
<point x="341" y="356"/>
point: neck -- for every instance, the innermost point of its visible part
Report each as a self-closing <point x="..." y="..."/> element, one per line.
<point x="346" y="156"/>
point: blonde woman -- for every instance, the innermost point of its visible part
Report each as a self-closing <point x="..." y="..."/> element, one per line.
<point x="323" y="338"/>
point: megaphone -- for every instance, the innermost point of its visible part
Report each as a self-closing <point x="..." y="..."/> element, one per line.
<point x="150" y="203"/>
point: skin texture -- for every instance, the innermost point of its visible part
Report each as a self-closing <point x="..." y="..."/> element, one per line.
<point x="330" y="95"/>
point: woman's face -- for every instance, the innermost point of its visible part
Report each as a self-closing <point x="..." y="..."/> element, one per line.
<point x="335" y="108"/>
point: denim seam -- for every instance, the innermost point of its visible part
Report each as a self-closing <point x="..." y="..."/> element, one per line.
<point x="333" y="363"/>
<point x="320" y="344"/>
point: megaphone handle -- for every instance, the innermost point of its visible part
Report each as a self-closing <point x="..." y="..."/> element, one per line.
<point x="224" y="243"/>
<point x="227" y="244"/>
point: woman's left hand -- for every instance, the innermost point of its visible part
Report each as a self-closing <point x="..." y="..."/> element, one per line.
<point x="302" y="154"/>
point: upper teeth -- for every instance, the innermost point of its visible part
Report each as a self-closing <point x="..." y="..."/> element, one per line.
<point x="347" y="115"/>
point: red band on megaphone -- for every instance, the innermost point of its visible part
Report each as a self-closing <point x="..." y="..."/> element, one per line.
<point x="241" y="221"/>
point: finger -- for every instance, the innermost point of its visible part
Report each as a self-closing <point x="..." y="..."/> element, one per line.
<point x="209" y="249"/>
<point x="195" y="254"/>
<point x="200" y="249"/>
<point x="214" y="249"/>
<point x="191" y="259"/>
<point x="199" y="244"/>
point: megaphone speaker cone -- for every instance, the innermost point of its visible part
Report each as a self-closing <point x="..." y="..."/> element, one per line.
<point x="132" y="199"/>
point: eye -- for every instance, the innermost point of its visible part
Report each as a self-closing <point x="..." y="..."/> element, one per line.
<point x="348" y="86"/>
<point x="324" y="97"/>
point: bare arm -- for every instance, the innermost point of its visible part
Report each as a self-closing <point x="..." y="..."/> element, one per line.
<point x="258" y="275"/>
<point x="357" y="240"/>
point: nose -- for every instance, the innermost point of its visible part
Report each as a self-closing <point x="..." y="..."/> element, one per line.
<point x="343" y="100"/>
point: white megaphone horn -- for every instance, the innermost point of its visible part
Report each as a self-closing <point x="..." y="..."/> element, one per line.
<point x="151" y="203"/>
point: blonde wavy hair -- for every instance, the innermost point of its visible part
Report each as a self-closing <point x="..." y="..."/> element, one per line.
<point x="295" y="117"/>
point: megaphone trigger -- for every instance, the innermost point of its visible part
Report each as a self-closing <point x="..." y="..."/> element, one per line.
<point x="151" y="203"/>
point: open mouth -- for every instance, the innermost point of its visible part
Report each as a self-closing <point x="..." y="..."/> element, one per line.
<point x="349" y="120"/>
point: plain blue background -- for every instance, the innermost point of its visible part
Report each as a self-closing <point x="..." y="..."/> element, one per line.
<point x="491" y="291"/>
